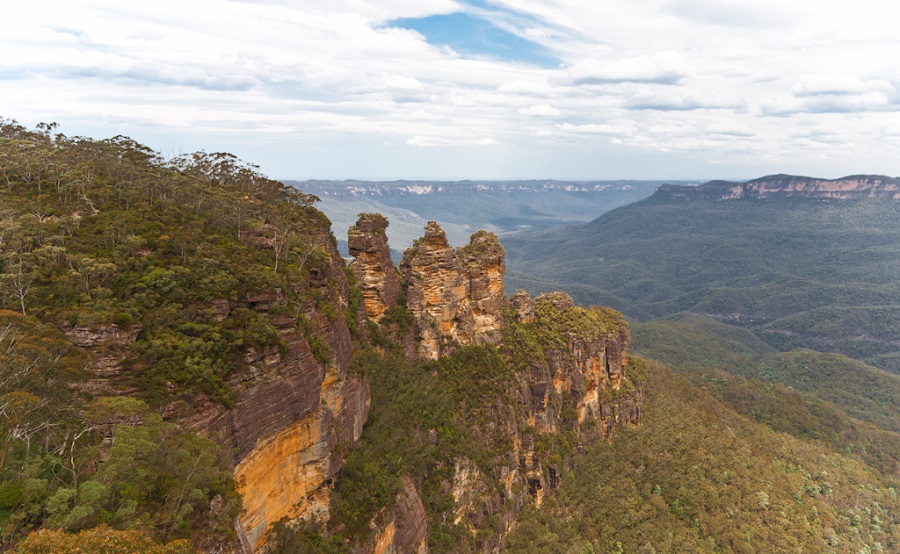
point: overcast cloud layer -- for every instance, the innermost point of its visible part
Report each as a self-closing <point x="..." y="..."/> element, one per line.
<point x="447" y="89"/>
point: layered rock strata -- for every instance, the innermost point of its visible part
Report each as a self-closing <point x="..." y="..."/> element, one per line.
<point x="577" y="385"/>
<point x="294" y="414"/>
<point x="401" y="529"/>
<point x="455" y="296"/>
<point x="783" y="186"/>
<point x="373" y="268"/>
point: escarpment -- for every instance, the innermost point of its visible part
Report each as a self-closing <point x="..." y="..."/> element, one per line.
<point x="293" y="409"/>
<point x="454" y="295"/>
<point x="297" y="407"/>
<point x="567" y="385"/>
<point x="375" y="273"/>
<point x="791" y="186"/>
<point x="301" y="397"/>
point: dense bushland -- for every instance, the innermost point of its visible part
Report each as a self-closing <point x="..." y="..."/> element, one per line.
<point x="105" y="238"/>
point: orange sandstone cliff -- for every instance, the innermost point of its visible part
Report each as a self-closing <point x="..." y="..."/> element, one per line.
<point x="455" y="297"/>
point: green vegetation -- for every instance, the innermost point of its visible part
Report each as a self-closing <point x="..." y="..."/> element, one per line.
<point x="427" y="418"/>
<point x="424" y="417"/>
<point x="798" y="273"/>
<point x="177" y="271"/>
<point x="852" y="407"/>
<point x="99" y="540"/>
<point x="696" y="477"/>
<point x="99" y="232"/>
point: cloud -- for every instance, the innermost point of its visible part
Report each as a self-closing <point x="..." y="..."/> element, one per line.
<point x="732" y="13"/>
<point x="818" y="85"/>
<point x="661" y="68"/>
<point x="306" y="85"/>
<point x="526" y="88"/>
<point x="596" y="128"/>
<point x="822" y="137"/>
<point x="540" y="110"/>
<point x="679" y="100"/>
<point x="730" y="129"/>
<point x="428" y="142"/>
<point x="832" y="103"/>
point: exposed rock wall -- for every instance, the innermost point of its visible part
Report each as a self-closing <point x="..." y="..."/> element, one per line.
<point x="781" y="186"/>
<point x="294" y="416"/>
<point x="109" y="346"/>
<point x="578" y="387"/>
<point x="401" y="529"/>
<point x="455" y="296"/>
<point x="378" y="279"/>
<point x="292" y="411"/>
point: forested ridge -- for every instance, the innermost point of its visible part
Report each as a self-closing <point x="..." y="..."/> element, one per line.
<point x="115" y="263"/>
<point x="105" y="237"/>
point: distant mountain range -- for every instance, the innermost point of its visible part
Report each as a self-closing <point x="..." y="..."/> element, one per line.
<point x="853" y="186"/>
<point x="463" y="207"/>
<point x="405" y="187"/>
<point x="803" y="262"/>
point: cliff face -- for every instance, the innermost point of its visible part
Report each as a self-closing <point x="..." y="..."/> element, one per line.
<point x="375" y="273"/>
<point x="293" y="416"/>
<point x="455" y="296"/>
<point x="296" y="412"/>
<point x="574" y="392"/>
<point x="586" y="373"/>
<point x="570" y="382"/>
<point x="774" y="186"/>
<point x="292" y="413"/>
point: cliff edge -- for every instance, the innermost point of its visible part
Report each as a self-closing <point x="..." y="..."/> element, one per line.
<point x="784" y="186"/>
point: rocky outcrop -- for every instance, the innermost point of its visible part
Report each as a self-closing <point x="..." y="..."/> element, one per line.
<point x="572" y="379"/>
<point x="296" y="411"/>
<point x="587" y="375"/>
<point x="576" y="387"/>
<point x="375" y="273"/>
<point x="784" y="186"/>
<point x="455" y="296"/>
<point x="109" y="346"/>
<point x="294" y="414"/>
<point x="402" y="529"/>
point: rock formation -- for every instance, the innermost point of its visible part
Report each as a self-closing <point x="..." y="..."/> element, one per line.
<point x="782" y="186"/>
<point x="291" y="409"/>
<point x="578" y="387"/>
<point x="587" y="374"/>
<point x="455" y="296"/>
<point x="292" y="412"/>
<point x="375" y="273"/>
<point x="295" y="413"/>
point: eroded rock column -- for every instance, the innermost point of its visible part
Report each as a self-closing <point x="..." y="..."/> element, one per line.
<point x="375" y="273"/>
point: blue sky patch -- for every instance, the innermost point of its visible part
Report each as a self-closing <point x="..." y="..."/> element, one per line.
<point x="476" y="37"/>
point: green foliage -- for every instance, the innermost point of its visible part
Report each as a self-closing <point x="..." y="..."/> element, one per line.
<point x="455" y="399"/>
<point x="99" y="232"/>
<point x="799" y="273"/>
<point x="200" y="260"/>
<point x="154" y="475"/>
<point x="99" y="540"/>
<point x="849" y="405"/>
<point x="696" y="477"/>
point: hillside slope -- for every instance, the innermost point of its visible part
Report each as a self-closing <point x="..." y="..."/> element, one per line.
<point x="696" y="477"/>
<point x="799" y="269"/>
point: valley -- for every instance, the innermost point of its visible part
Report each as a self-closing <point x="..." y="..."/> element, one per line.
<point x="192" y="364"/>
<point x="463" y="207"/>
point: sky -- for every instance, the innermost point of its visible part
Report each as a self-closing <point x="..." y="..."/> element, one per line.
<point x="471" y="89"/>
